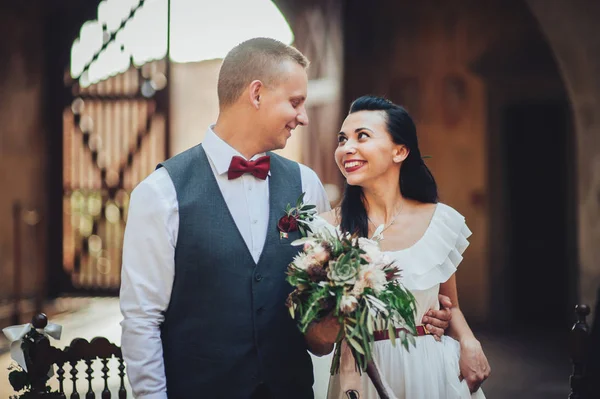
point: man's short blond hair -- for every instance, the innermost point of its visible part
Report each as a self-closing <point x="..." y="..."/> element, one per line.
<point x="254" y="59"/>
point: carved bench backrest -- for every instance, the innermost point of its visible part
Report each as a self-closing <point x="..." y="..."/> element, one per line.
<point x="42" y="356"/>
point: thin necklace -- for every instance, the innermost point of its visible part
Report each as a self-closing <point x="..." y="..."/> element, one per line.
<point x="390" y="223"/>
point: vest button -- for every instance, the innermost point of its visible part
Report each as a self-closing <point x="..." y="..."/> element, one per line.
<point x="258" y="277"/>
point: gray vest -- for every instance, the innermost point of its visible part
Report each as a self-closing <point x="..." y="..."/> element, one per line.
<point x="227" y="329"/>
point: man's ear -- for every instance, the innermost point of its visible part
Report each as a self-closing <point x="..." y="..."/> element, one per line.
<point x="400" y="153"/>
<point x="254" y="92"/>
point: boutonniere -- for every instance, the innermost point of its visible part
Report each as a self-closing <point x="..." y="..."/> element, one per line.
<point x="296" y="218"/>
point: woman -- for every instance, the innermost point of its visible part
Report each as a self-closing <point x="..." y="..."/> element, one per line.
<point x="389" y="184"/>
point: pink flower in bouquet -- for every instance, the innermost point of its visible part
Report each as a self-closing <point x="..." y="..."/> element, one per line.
<point x="392" y="274"/>
<point x="359" y="288"/>
<point x="321" y="255"/>
<point x="366" y="258"/>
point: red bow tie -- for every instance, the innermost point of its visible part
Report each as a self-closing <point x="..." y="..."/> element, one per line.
<point x="258" y="168"/>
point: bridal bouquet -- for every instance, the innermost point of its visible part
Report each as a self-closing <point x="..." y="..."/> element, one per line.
<point x="354" y="280"/>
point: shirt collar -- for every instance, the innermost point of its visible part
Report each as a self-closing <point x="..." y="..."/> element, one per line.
<point x="220" y="153"/>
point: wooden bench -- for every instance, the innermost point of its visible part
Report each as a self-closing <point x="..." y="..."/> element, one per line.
<point x="40" y="356"/>
<point x="585" y="354"/>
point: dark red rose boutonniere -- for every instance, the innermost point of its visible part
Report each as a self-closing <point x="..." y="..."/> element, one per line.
<point x="287" y="224"/>
<point x="296" y="218"/>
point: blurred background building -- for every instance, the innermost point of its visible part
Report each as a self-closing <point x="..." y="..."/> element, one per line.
<point x="506" y="95"/>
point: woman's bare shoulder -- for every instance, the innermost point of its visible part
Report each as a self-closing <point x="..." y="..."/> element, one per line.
<point x="420" y="208"/>
<point x="332" y="216"/>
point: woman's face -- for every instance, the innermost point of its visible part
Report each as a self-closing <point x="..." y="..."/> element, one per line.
<point x="365" y="149"/>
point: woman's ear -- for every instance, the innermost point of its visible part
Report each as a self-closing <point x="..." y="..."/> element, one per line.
<point x="400" y="153"/>
<point x="254" y="91"/>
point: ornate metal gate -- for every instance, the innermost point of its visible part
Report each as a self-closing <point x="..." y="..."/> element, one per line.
<point x="114" y="135"/>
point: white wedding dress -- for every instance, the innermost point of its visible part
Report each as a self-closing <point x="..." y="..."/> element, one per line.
<point x="428" y="370"/>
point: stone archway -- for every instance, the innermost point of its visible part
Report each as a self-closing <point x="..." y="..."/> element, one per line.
<point x="570" y="28"/>
<point x="530" y="198"/>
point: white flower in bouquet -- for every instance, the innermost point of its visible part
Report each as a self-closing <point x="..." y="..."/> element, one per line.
<point x="373" y="277"/>
<point x="302" y="261"/>
<point x="348" y="304"/>
<point x="372" y="252"/>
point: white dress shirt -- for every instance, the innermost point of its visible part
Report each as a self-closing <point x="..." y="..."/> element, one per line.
<point x="149" y="253"/>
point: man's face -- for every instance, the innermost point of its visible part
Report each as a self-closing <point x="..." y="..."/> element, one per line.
<point x="282" y="106"/>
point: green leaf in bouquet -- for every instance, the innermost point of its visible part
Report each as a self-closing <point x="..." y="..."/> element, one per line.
<point x="335" y="362"/>
<point x="340" y="334"/>
<point x="355" y="345"/>
<point x="363" y="316"/>
<point x="403" y="339"/>
<point x="354" y="332"/>
<point x="308" y="207"/>
<point x="291" y="309"/>
<point x="392" y="333"/>
<point x="313" y="307"/>
<point x="360" y="361"/>
<point x="364" y="337"/>
<point x="368" y="350"/>
<point x="349" y="329"/>
<point x="370" y="322"/>
<point x="302" y="231"/>
<point x="412" y="339"/>
<point x="301" y="241"/>
<point x="337" y="247"/>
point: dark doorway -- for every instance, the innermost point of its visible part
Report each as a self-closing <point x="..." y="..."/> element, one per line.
<point x="537" y="157"/>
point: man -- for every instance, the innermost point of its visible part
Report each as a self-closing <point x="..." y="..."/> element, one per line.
<point x="203" y="282"/>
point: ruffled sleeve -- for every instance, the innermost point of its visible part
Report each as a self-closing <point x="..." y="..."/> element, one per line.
<point x="436" y="256"/>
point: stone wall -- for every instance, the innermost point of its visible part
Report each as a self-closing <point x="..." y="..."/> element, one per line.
<point x="22" y="140"/>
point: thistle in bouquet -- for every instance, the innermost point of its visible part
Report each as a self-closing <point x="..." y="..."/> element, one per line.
<point x="351" y="279"/>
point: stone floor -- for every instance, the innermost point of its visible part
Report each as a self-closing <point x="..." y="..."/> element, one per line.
<point x="525" y="365"/>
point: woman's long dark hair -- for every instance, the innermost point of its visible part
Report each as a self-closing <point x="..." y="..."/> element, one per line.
<point x="416" y="181"/>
